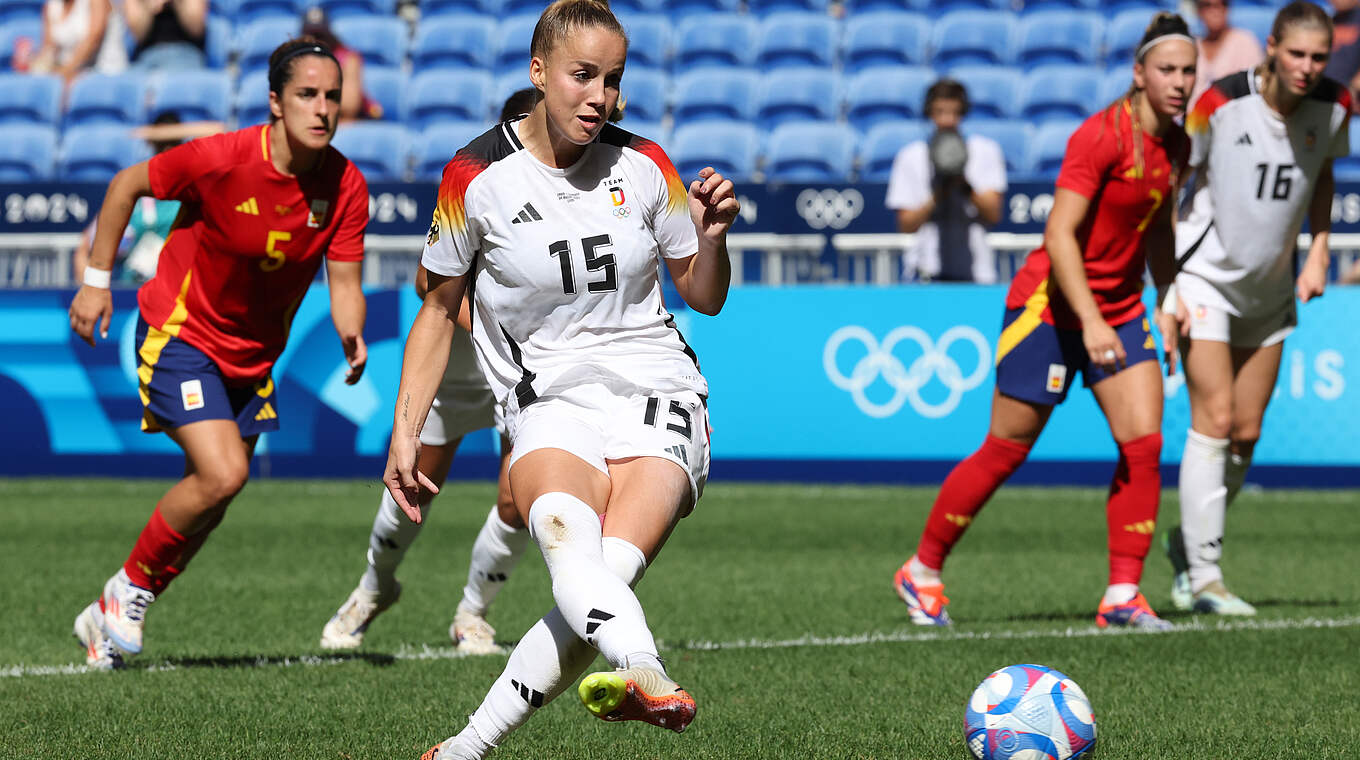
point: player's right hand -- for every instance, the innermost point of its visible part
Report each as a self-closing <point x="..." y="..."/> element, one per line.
<point x="1103" y="346"/>
<point x="403" y="477"/>
<point x="1170" y="327"/>
<point x="91" y="306"/>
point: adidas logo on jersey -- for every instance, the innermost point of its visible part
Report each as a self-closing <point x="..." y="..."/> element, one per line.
<point x="1245" y="139"/>
<point x="249" y="207"/>
<point x="527" y="214"/>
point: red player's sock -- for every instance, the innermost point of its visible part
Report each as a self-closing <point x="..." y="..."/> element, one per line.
<point x="155" y="558"/>
<point x="968" y="487"/>
<point x="1131" y="512"/>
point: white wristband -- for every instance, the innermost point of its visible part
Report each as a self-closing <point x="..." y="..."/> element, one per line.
<point x="1169" y="302"/>
<point x="98" y="278"/>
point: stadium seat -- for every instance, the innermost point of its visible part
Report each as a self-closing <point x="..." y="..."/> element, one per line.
<point x="644" y="91"/>
<point x="342" y="9"/>
<point x="462" y="41"/>
<point x="945" y="6"/>
<point x="192" y="95"/>
<point x="992" y="90"/>
<point x="683" y="9"/>
<point x="432" y="9"/>
<point x="716" y="40"/>
<point x="256" y="40"/>
<point x="378" y="148"/>
<point x="652" y="130"/>
<point x="1114" y="84"/>
<point x="444" y="95"/>
<point x="14" y="10"/>
<point x="437" y="144"/>
<point x="649" y="39"/>
<point x="805" y="94"/>
<point x="1256" y="20"/>
<point x="510" y="46"/>
<point x="1013" y="135"/>
<point x="623" y="8"/>
<point x="1060" y="91"/>
<point x="1044" y="5"/>
<point x="765" y="7"/>
<point x="887" y="93"/>
<point x="107" y="99"/>
<point x="11" y="31"/>
<point x="885" y="38"/>
<point x="385" y="85"/>
<point x="381" y="40"/>
<point x="218" y="41"/>
<point x="1122" y="35"/>
<point x="30" y="99"/>
<point x="506" y="85"/>
<point x="797" y="39"/>
<point x="252" y="99"/>
<point x="729" y="147"/>
<point x="1145" y="7"/>
<point x="96" y="153"/>
<point x="1050" y="142"/>
<point x="715" y="93"/>
<point x="28" y="153"/>
<point x="811" y="152"/>
<point x="1055" y="36"/>
<point x="969" y="37"/>
<point x="883" y="142"/>
<point x="249" y="11"/>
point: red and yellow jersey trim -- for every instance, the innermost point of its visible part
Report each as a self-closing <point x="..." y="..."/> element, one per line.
<point x="451" y="203"/>
<point x="1197" y="121"/>
<point x="677" y="195"/>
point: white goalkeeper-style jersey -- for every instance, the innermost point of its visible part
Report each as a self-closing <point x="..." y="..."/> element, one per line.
<point x="563" y="264"/>
<point x="1257" y="174"/>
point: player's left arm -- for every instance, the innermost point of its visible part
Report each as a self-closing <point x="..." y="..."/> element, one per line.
<point x="348" y="312"/>
<point x="703" y="279"/>
<point x="1313" y="276"/>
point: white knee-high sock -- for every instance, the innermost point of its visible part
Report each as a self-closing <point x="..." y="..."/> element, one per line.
<point x="1235" y="474"/>
<point x="392" y="534"/>
<point x="546" y="661"/>
<point x="1203" y="503"/>
<point x="494" y="554"/>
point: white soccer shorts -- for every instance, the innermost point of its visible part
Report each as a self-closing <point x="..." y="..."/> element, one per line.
<point x="1211" y="323"/>
<point x="459" y="409"/>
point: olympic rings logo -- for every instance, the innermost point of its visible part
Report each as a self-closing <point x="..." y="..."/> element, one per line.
<point x="829" y="208"/>
<point x="907" y="381"/>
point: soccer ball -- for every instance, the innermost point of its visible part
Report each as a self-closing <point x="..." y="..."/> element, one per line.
<point x="1029" y="712"/>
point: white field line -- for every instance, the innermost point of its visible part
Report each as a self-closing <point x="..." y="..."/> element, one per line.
<point x="427" y="652"/>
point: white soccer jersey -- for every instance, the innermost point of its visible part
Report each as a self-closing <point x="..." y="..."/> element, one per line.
<point x="564" y="264"/>
<point x="1258" y="171"/>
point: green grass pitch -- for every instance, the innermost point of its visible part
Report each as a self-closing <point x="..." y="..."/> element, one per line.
<point x="773" y="605"/>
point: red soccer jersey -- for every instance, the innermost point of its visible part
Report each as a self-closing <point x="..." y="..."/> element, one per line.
<point x="247" y="243"/>
<point x="1100" y="165"/>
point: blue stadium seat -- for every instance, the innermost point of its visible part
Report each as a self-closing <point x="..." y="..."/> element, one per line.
<point x="506" y="85"/>
<point x="730" y="147"/>
<point x="1122" y="35"/>
<point x="510" y="46"/>
<point x="1059" y="37"/>
<point x="107" y="99"/>
<point x="765" y="7"/>
<point x="96" y="153"/>
<point x="256" y="40"/>
<point x="1114" y="84"/>
<point x="379" y="149"/>
<point x="649" y="39"/>
<point x="1060" y="91"/>
<point x="252" y="99"/>
<point x="1032" y="6"/>
<point x="883" y="142"/>
<point x="445" y="95"/>
<point x="1050" y="142"/>
<point x="12" y="30"/>
<point x="1256" y="20"/>
<point x="992" y="90"/>
<point x="652" y="130"/>
<point x="627" y="7"/>
<point x="385" y="85"/>
<point x="437" y="144"/>
<point x="381" y="40"/>
<point x="645" y="93"/>
<point x="218" y="41"/>
<point x="462" y="41"/>
<point x="887" y="93"/>
<point x="944" y="6"/>
<point x="683" y="9"/>
<point x="970" y="37"/>
<point x="1013" y="135"/>
<point x="797" y="39"/>
<point x="1145" y="7"/>
<point x="249" y="11"/>
<point x="28" y="153"/>
<point x="30" y="99"/>
<point x="805" y="94"/>
<point x="811" y="152"/>
<point x="13" y="10"/>
<point x="193" y="95"/>
<point x="432" y="9"/>
<point x="716" y="40"/>
<point x="885" y="38"/>
<point x="715" y="93"/>
<point x="342" y="9"/>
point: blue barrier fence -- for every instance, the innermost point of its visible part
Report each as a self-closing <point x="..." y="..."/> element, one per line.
<point x="809" y="383"/>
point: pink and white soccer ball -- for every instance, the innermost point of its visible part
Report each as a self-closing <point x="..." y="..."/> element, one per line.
<point x="1029" y="712"/>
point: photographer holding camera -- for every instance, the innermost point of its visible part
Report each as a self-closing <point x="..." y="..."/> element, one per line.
<point x="946" y="190"/>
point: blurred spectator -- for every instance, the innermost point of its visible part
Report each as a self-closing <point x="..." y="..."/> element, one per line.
<point x="946" y="190"/>
<point x="1223" y="49"/>
<point x="1350" y="276"/>
<point x="169" y="33"/>
<point x="521" y="102"/>
<point x="354" y="102"/>
<point x="140" y="248"/>
<point x="1344" y="65"/>
<point x="76" y="36"/>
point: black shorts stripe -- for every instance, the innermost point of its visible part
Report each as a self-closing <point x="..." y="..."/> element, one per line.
<point x="670" y="322"/>
<point x="524" y="389"/>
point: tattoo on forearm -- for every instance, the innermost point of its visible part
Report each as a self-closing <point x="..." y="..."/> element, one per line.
<point x="406" y="408"/>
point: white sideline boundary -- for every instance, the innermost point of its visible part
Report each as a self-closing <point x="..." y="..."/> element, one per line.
<point x="427" y="652"/>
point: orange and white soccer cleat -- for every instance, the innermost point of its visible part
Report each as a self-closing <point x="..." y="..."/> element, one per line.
<point x="925" y="604"/>
<point x="1135" y="613"/>
<point x="641" y="694"/>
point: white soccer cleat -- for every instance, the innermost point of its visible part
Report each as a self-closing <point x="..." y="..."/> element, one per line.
<point x="471" y="634"/>
<point x="125" y="611"/>
<point x="99" y="649"/>
<point x="1174" y="545"/>
<point x="346" y="628"/>
<point x="1181" y="596"/>
<point x="451" y="748"/>
<point x="1216" y="599"/>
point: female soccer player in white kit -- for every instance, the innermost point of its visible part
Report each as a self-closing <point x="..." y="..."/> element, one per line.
<point x="1264" y="141"/>
<point x="557" y="222"/>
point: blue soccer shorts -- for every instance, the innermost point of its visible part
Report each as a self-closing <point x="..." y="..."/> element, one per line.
<point x="1037" y="362"/>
